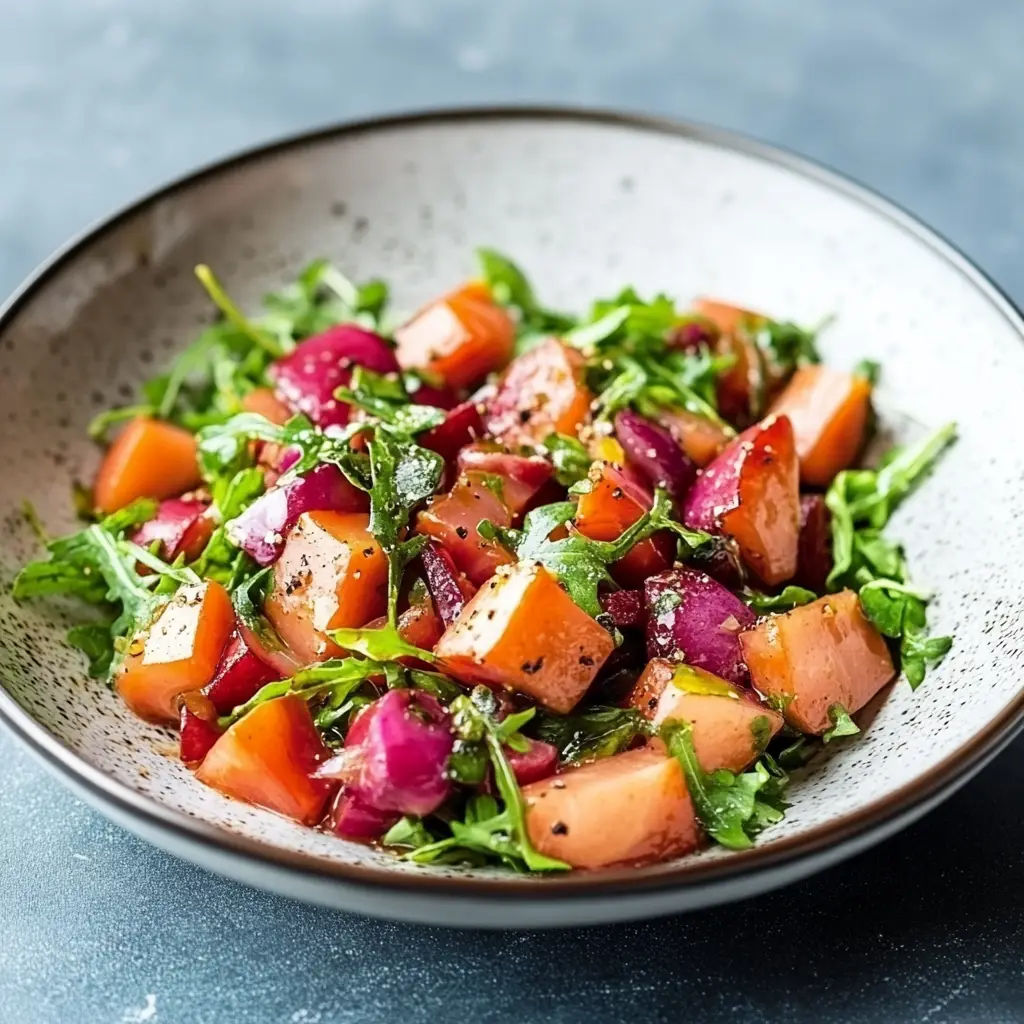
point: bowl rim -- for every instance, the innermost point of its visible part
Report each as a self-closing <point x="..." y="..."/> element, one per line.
<point x="129" y="804"/>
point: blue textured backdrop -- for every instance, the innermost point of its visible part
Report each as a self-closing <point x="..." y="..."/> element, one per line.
<point x="100" y="99"/>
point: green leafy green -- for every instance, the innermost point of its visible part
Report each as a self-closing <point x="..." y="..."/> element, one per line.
<point x="870" y="370"/>
<point x="98" y="565"/>
<point x="842" y="724"/>
<point x="732" y="808"/>
<point x="579" y="563"/>
<point x="510" y="287"/>
<point x="861" y="502"/>
<point x="787" y="598"/>
<point x="385" y="398"/>
<point x="590" y="733"/>
<point x="569" y="457"/>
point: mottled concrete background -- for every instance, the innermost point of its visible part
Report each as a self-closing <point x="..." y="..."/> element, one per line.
<point x="100" y="99"/>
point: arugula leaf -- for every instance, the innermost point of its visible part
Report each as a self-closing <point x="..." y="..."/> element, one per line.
<point x="788" y="345"/>
<point x="98" y="565"/>
<point x="732" y="808"/>
<point x="842" y="724"/>
<point x="382" y="644"/>
<point x="335" y="679"/>
<point x="861" y="502"/>
<point x="579" y="563"/>
<point x="100" y="424"/>
<point x="402" y="474"/>
<point x="869" y="369"/>
<point x="234" y="315"/>
<point x="787" y="598"/>
<point x="570" y="458"/>
<point x="386" y="399"/>
<point x="592" y="733"/>
<point x="509" y="287"/>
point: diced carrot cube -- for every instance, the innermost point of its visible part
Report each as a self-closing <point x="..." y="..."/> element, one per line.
<point x="460" y="338"/>
<point x="821" y="654"/>
<point x="543" y="392"/>
<point x="730" y="727"/>
<point x="615" y="502"/>
<point x="148" y="459"/>
<point x="265" y="403"/>
<point x="268" y="758"/>
<point x="523" y="632"/>
<point x="628" y="809"/>
<point x="452" y="520"/>
<point x="829" y="411"/>
<point x="331" y="574"/>
<point x="178" y="653"/>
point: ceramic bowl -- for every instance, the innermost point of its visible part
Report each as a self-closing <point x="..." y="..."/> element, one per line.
<point x="588" y="203"/>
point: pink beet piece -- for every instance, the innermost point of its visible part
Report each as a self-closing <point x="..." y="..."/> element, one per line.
<point x="814" y="549"/>
<point x="350" y="818"/>
<point x="180" y="526"/>
<point x="461" y="426"/>
<point x="654" y="453"/>
<point x="261" y="529"/>
<point x="239" y="675"/>
<point x="534" y="764"/>
<point x="405" y="755"/>
<point x="197" y="737"/>
<point x="439" y="398"/>
<point x="447" y="586"/>
<point x="522" y="476"/>
<point x="693" y="618"/>
<point x="306" y="379"/>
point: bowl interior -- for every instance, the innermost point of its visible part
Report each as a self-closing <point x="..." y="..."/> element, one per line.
<point x="587" y="206"/>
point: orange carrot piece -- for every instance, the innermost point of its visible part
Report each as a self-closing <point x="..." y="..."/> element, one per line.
<point x="628" y="809"/>
<point x="821" y="654"/>
<point x="523" y="632"/>
<point x="264" y="402"/>
<point x="614" y="503"/>
<point x="829" y="411"/>
<point x="178" y="653"/>
<point x="268" y="758"/>
<point x="148" y="459"/>
<point x="730" y="727"/>
<point x="331" y="574"/>
<point x="460" y="338"/>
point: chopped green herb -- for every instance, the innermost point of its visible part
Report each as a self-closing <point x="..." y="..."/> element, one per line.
<point x="842" y="724"/>
<point x="591" y="733"/>
<point x="787" y="598"/>
<point x="570" y="458"/>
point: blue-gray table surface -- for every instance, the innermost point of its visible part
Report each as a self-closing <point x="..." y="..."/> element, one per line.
<point x="101" y="99"/>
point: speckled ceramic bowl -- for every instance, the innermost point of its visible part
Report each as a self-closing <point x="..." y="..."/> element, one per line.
<point x="587" y="202"/>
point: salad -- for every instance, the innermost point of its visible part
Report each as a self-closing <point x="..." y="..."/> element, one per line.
<point x="496" y="583"/>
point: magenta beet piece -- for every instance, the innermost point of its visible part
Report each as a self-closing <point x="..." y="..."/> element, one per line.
<point x="405" y="755"/>
<point x="717" y="488"/>
<point x="350" y="818"/>
<point x="694" y="618"/>
<point x="461" y="426"/>
<point x="197" y="737"/>
<point x="439" y="398"/>
<point x="814" y="551"/>
<point x="260" y="530"/>
<point x="179" y="526"/>
<point x="537" y="763"/>
<point x="626" y="608"/>
<point x="239" y="675"/>
<point x="522" y="476"/>
<point x="306" y="379"/>
<point x="443" y="582"/>
<point x="654" y="453"/>
<point x="694" y="335"/>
